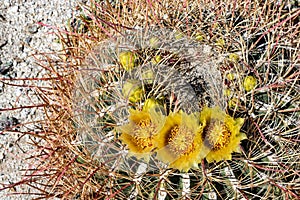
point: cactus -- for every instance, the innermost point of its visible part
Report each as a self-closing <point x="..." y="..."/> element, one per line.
<point x="207" y="70"/>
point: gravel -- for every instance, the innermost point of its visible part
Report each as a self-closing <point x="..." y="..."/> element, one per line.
<point x="21" y="36"/>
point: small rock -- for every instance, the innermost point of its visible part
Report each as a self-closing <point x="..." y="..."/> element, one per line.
<point x="3" y="43"/>
<point x="8" y="123"/>
<point x="21" y="48"/>
<point x="32" y="28"/>
<point x="28" y="40"/>
<point x="6" y="68"/>
<point x="13" y="9"/>
<point x="2" y="18"/>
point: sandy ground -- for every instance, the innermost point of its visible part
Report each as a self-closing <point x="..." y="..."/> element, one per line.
<point x="21" y="36"/>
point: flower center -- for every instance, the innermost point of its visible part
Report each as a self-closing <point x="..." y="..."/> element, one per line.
<point x="180" y="140"/>
<point x="216" y="135"/>
<point x="143" y="133"/>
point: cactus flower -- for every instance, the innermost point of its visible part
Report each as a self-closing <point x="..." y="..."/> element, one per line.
<point x="148" y="76"/>
<point x="230" y="76"/>
<point x="156" y="59"/>
<point x="178" y="35"/>
<point x="140" y="134"/>
<point x="221" y="134"/>
<point x="233" y="102"/>
<point x="220" y="42"/>
<point x="179" y="142"/>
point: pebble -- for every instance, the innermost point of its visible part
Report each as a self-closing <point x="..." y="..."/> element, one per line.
<point x="13" y="9"/>
<point x="28" y="40"/>
<point x="3" y="42"/>
<point x="6" y="68"/>
<point x="32" y="29"/>
<point x="8" y="122"/>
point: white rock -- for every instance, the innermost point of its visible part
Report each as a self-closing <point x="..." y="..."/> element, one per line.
<point x="13" y="9"/>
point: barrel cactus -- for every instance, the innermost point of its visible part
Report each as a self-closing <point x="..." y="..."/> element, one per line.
<point x="174" y="100"/>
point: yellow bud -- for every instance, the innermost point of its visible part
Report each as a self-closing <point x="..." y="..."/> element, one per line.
<point x="220" y="42"/>
<point x="154" y="42"/>
<point x="249" y="83"/>
<point x="150" y="103"/>
<point x="230" y="76"/>
<point x="148" y="76"/>
<point x="216" y="25"/>
<point x="199" y="36"/>
<point x="133" y="90"/>
<point x="233" y="57"/>
<point x="178" y="35"/>
<point x="227" y="92"/>
<point x="127" y="60"/>
<point x="156" y="59"/>
<point x="232" y="102"/>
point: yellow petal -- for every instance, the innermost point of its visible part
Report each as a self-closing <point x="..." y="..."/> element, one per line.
<point x="220" y="42"/>
<point x="148" y="76"/>
<point x="233" y="57"/>
<point x="199" y="36"/>
<point x="156" y="59"/>
<point x="230" y="76"/>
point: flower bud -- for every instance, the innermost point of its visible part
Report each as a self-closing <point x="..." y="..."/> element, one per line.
<point x="233" y="57"/>
<point x="154" y="42"/>
<point x="150" y="103"/>
<point x="127" y="60"/>
<point x="133" y="90"/>
<point x="249" y="83"/>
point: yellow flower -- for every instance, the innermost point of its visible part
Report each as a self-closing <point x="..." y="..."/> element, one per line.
<point x="249" y="83"/>
<point x="233" y="102"/>
<point x="179" y="142"/>
<point x="127" y="60"/>
<point x="227" y="92"/>
<point x="141" y="133"/>
<point x="221" y="134"/>
<point x="133" y="90"/>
